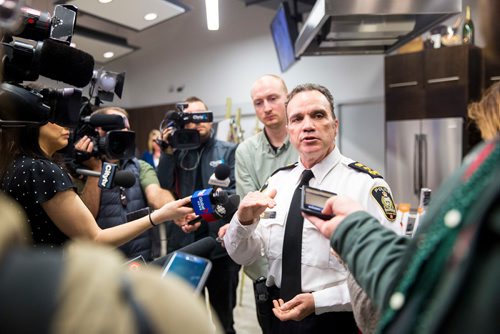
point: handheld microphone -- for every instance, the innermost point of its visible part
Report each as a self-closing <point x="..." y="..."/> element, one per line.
<point x="221" y="211"/>
<point x="203" y="200"/>
<point x="220" y="177"/>
<point x="109" y="177"/>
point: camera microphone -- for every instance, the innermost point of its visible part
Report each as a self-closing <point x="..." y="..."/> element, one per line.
<point x="64" y="63"/>
<point x="109" y="177"/>
<point x="220" y="177"/>
<point x="107" y="122"/>
<point x="49" y="58"/>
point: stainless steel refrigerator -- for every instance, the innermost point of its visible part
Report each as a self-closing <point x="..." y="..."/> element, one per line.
<point x="421" y="153"/>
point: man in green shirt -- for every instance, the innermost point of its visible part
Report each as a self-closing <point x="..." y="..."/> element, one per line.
<point x="260" y="155"/>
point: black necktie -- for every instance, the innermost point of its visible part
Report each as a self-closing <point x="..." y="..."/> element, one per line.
<point x="292" y="244"/>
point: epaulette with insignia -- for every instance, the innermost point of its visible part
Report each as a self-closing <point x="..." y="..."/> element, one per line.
<point x="291" y="166"/>
<point x="285" y="168"/>
<point x="364" y="169"/>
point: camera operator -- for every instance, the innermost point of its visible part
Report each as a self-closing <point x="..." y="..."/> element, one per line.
<point x="183" y="172"/>
<point x="111" y="206"/>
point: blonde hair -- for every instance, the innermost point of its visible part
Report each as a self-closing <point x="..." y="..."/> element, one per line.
<point x="153" y="134"/>
<point x="486" y="112"/>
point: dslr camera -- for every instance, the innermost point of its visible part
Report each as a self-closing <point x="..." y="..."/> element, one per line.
<point x="181" y="138"/>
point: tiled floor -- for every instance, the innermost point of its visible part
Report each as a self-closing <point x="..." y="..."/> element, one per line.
<point x="244" y="314"/>
<point x="245" y="318"/>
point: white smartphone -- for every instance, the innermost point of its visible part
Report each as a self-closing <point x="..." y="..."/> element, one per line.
<point x="193" y="269"/>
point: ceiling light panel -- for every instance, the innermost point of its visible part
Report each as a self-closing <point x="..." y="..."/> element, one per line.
<point x="98" y="48"/>
<point x="130" y="13"/>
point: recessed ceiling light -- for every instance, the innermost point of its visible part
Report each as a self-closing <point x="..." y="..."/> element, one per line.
<point x="108" y="54"/>
<point x="150" y="16"/>
<point x="105" y="1"/>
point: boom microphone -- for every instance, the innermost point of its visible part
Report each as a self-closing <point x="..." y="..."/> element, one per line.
<point x="220" y="177"/>
<point x="109" y="177"/>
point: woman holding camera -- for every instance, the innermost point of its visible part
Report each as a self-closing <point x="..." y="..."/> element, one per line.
<point x="32" y="177"/>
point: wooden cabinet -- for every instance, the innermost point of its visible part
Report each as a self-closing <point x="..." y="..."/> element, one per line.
<point x="432" y="83"/>
<point x="404" y="86"/>
<point x="491" y="73"/>
<point x="437" y="83"/>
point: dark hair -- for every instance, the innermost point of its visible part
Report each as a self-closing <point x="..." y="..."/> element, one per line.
<point x="16" y="141"/>
<point x="192" y="99"/>
<point x="312" y="87"/>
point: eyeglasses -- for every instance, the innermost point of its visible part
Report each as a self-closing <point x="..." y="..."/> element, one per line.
<point x="123" y="197"/>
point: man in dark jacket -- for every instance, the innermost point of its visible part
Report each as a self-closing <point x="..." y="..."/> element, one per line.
<point x="111" y="206"/>
<point x="183" y="172"/>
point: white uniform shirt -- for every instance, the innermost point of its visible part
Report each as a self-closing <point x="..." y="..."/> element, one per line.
<point x="322" y="273"/>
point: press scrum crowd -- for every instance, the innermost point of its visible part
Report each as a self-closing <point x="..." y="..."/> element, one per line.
<point x="65" y="238"/>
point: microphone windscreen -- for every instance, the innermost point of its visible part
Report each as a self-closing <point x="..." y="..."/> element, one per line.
<point x="233" y="201"/>
<point x="124" y="178"/>
<point x="222" y="171"/>
<point x="220" y="196"/>
<point x="107" y="121"/>
<point x="64" y="63"/>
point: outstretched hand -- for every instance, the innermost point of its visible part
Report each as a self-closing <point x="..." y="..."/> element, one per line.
<point x="176" y="209"/>
<point x="255" y="203"/>
<point x="340" y="207"/>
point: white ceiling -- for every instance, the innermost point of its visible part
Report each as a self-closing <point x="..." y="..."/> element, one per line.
<point x="120" y="24"/>
<point x="130" y="13"/>
<point x="118" y="27"/>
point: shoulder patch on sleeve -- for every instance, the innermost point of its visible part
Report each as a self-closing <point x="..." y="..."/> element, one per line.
<point x="365" y="169"/>
<point x="384" y="199"/>
<point x="291" y="166"/>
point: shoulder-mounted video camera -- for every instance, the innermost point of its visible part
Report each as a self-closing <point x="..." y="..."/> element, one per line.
<point x="49" y="55"/>
<point x="115" y="144"/>
<point x="181" y="138"/>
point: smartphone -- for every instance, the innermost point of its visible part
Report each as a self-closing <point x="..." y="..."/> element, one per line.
<point x="193" y="269"/>
<point x="313" y="201"/>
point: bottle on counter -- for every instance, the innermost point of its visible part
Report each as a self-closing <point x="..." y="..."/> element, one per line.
<point x="468" y="28"/>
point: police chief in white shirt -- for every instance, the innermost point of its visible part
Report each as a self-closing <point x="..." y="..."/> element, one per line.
<point x="312" y="127"/>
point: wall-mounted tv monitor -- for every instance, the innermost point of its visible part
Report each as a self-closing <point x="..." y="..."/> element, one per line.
<point x="284" y="31"/>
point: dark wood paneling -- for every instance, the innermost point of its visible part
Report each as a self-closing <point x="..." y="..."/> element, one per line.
<point x="145" y="119"/>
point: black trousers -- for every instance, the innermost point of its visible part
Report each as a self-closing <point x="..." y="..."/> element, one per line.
<point x="222" y="284"/>
<point x="327" y="323"/>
